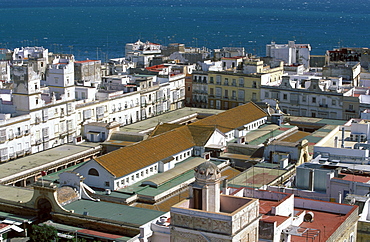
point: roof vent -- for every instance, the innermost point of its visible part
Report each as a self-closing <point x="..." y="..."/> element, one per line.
<point x="308" y="217"/>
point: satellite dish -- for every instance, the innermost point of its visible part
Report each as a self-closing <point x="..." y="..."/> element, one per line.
<point x="308" y="217"/>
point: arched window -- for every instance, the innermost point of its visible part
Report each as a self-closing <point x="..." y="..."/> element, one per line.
<point x="93" y="172"/>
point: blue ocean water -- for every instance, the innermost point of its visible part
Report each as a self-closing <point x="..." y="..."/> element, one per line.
<point x="101" y="28"/>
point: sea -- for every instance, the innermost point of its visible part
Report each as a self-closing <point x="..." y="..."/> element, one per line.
<point x="99" y="29"/>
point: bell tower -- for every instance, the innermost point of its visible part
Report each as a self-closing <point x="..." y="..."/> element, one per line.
<point x="205" y="191"/>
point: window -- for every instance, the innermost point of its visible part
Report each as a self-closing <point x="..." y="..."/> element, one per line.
<point x="211" y="79"/>
<point x="333" y="102"/>
<point x="266" y="94"/>
<point x="241" y="82"/>
<point x="233" y="96"/>
<point x="254" y="85"/>
<point x="93" y="172"/>
<point x="241" y="95"/>
<point x="313" y="99"/>
<point x="234" y="82"/>
<point x="107" y="183"/>
<point x="123" y="181"/>
<point x="218" y="104"/>
<point x="304" y="99"/>
<point x="218" y="92"/>
<point x="226" y="82"/>
<point x="211" y="91"/>
<point x="226" y="93"/>
<point x="350" y="107"/>
<point x="254" y="97"/>
<point x="137" y="175"/>
<point x="285" y="96"/>
<point x="218" y="80"/>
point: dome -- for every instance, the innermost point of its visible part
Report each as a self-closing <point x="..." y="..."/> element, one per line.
<point x="207" y="170"/>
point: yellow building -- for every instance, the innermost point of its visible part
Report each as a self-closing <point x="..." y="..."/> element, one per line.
<point x="228" y="89"/>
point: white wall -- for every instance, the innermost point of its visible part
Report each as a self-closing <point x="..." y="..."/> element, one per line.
<point x="96" y="181"/>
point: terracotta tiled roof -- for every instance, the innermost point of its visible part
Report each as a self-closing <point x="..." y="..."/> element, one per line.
<point x="162" y="128"/>
<point x="233" y="118"/>
<point x="131" y="158"/>
<point x="171" y="139"/>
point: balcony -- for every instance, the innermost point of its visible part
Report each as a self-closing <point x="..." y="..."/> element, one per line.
<point x="100" y="116"/>
<point x="20" y="153"/>
<point x="2" y="139"/>
<point x="37" y="120"/>
<point x="45" y="119"/>
<point x="19" y="134"/>
<point x="11" y="136"/>
<point x="226" y="97"/>
<point x="12" y="155"/>
<point x="62" y="135"/>
<point x="323" y="105"/>
<point x="27" y="151"/>
<point x="27" y="132"/>
<point x="4" y="158"/>
<point x="46" y="138"/>
<point x="350" y="111"/>
<point x="38" y="142"/>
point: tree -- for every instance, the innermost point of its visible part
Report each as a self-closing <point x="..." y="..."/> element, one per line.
<point x="43" y="233"/>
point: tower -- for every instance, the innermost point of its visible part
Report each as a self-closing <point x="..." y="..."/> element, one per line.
<point x="205" y="190"/>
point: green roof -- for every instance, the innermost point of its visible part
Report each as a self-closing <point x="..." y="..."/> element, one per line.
<point x="83" y="232"/>
<point x="17" y="218"/>
<point x="178" y="179"/>
<point x="117" y="212"/>
<point x="53" y="177"/>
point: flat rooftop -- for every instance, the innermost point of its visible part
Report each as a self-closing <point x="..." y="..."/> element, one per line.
<point x="347" y="140"/>
<point x="39" y="161"/>
<point x="171" y="182"/>
<point x="86" y="232"/>
<point x="15" y="194"/>
<point x="112" y="211"/>
<point x="256" y="177"/>
<point x="150" y="123"/>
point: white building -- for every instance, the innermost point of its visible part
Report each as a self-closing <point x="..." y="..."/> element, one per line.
<point x="290" y="53"/>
